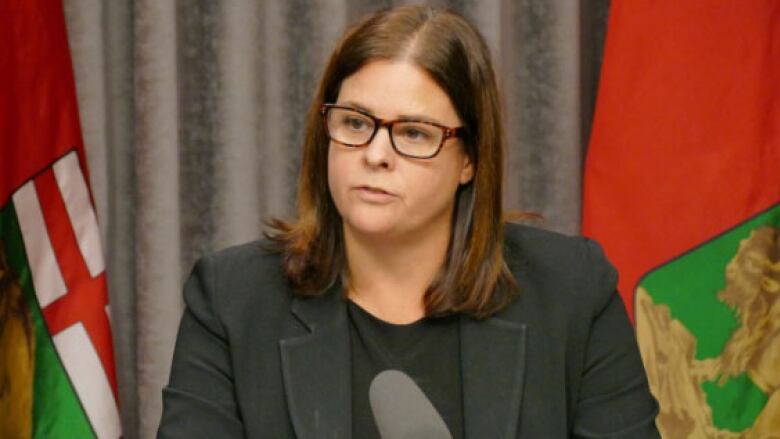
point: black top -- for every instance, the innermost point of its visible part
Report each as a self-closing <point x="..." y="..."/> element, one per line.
<point x="428" y="351"/>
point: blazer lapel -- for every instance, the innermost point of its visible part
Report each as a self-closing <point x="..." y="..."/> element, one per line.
<point x="493" y="368"/>
<point x="317" y="376"/>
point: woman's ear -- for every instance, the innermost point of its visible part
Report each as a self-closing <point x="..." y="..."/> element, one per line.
<point x="467" y="172"/>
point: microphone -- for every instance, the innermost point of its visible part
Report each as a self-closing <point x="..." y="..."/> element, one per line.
<point x="401" y="409"/>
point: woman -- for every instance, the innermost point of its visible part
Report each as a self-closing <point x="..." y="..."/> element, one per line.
<point x="397" y="304"/>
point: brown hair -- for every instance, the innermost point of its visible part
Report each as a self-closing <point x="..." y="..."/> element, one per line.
<point x="474" y="278"/>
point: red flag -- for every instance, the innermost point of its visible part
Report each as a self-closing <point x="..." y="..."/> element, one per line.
<point x="51" y="263"/>
<point x="682" y="187"/>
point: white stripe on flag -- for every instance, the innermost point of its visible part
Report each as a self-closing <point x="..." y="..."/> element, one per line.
<point x="74" y="192"/>
<point x="46" y="275"/>
<point x="81" y="361"/>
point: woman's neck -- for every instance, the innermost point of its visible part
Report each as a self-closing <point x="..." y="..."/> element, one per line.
<point x="388" y="278"/>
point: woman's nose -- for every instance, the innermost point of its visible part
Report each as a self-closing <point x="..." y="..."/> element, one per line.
<point x="379" y="152"/>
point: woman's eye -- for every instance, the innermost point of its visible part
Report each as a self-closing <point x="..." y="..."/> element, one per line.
<point x="415" y="134"/>
<point x="355" y="123"/>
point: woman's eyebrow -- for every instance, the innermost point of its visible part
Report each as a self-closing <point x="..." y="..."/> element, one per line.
<point x="420" y="117"/>
<point x="356" y="106"/>
<point x="365" y="109"/>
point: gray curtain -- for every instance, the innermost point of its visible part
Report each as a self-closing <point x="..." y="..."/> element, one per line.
<point x="192" y="114"/>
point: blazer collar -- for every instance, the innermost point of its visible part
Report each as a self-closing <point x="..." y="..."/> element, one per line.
<point x="317" y="372"/>
<point x="316" y="368"/>
<point x="492" y="361"/>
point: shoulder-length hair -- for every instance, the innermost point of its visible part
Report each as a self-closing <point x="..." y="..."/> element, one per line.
<point x="474" y="278"/>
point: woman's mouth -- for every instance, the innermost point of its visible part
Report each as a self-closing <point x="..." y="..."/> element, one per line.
<point x="374" y="195"/>
<point x="374" y="189"/>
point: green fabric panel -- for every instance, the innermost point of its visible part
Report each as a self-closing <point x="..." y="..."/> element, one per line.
<point x="689" y="286"/>
<point x="736" y="404"/>
<point x="57" y="412"/>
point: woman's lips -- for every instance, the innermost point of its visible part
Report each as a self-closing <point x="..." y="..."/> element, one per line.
<point x="374" y="195"/>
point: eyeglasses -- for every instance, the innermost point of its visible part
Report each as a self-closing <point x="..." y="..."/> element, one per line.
<point x="410" y="138"/>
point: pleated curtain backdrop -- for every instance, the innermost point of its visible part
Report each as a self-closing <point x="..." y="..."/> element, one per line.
<point x="192" y="114"/>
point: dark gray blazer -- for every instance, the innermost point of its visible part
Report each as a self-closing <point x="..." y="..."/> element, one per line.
<point x="254" y="361"/>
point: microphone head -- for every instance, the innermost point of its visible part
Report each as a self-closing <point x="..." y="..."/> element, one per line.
<point x="401" y="409"/>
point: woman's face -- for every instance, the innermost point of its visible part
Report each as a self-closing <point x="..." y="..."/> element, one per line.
<point x="378" y="192"/>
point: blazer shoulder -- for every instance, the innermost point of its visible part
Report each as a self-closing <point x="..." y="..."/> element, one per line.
<point x="240" y="277"/>
<point x="235" y="260"/>
<point x="540" y="243"/>
<point x="567" y="271"/>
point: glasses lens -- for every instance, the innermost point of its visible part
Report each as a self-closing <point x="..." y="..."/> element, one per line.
<point x="417" y="139"/>
<point x="350" y="127"/>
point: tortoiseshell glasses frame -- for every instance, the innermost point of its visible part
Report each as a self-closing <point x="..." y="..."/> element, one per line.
<point x="446" y="132"/>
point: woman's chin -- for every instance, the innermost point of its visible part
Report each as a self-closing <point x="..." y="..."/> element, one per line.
<point x="374" y="226"/>
<point x="371" y="230"/>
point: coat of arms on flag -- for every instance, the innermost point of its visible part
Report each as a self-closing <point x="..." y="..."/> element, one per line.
<point x="708" y="324"/>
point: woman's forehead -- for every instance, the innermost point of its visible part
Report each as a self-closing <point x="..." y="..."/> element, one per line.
<point x="397" y="88"/>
